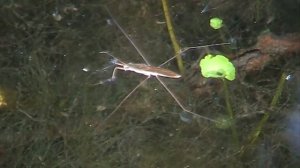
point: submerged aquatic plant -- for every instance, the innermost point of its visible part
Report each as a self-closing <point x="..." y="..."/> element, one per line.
<point x="257" y="131"/>
<point x="218" y="66"/>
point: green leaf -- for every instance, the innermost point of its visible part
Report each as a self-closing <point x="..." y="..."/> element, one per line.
<point x="217" y="66"/>
<point x="216" y="23"/>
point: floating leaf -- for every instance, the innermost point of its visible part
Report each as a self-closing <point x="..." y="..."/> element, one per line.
<point x="217" y="67"/>
<point x="216" y="23"/>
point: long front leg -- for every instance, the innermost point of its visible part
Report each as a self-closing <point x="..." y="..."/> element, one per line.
<point x="113" y="77"/>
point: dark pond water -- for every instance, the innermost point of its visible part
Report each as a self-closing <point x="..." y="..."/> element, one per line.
<point x="59" y="108"/>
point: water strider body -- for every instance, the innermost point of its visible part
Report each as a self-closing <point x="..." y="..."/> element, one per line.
<point x="144" y="69"/>
<point x="147" y="70"/>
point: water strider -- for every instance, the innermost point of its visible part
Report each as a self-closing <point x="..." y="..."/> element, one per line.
<point x="148" y="70"/>
<point x="144" y="69"/>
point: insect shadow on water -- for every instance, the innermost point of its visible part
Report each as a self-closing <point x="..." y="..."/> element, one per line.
<point x="148" y="70"/>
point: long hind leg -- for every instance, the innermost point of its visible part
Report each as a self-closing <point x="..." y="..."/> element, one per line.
<point x="180" y="104"/>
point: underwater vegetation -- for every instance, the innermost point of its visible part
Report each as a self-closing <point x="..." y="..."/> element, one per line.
<point x="234" y="101"/>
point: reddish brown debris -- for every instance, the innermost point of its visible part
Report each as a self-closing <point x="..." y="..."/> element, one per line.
<point x="285" y="45"/>
<point x="267" y="49"/>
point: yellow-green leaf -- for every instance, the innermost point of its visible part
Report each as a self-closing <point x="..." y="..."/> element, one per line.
<point x="217" y="66"/>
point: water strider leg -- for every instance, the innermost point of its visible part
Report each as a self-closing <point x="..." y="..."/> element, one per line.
<point x="128" y="95"/>
<point x="113" y="77"/>
<point x="180" y="104"/>
<point x="188" y="48"/>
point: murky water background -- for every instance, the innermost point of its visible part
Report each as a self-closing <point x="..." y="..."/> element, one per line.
<point x="52" y="115"/>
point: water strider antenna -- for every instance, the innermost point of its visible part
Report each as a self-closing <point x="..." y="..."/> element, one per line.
<point x="127" y="36"/>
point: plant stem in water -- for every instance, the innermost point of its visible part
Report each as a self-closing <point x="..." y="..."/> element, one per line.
<point x="173" y="36"/>
<point x="266" y="116"/>
<point x="230" y="113"/>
